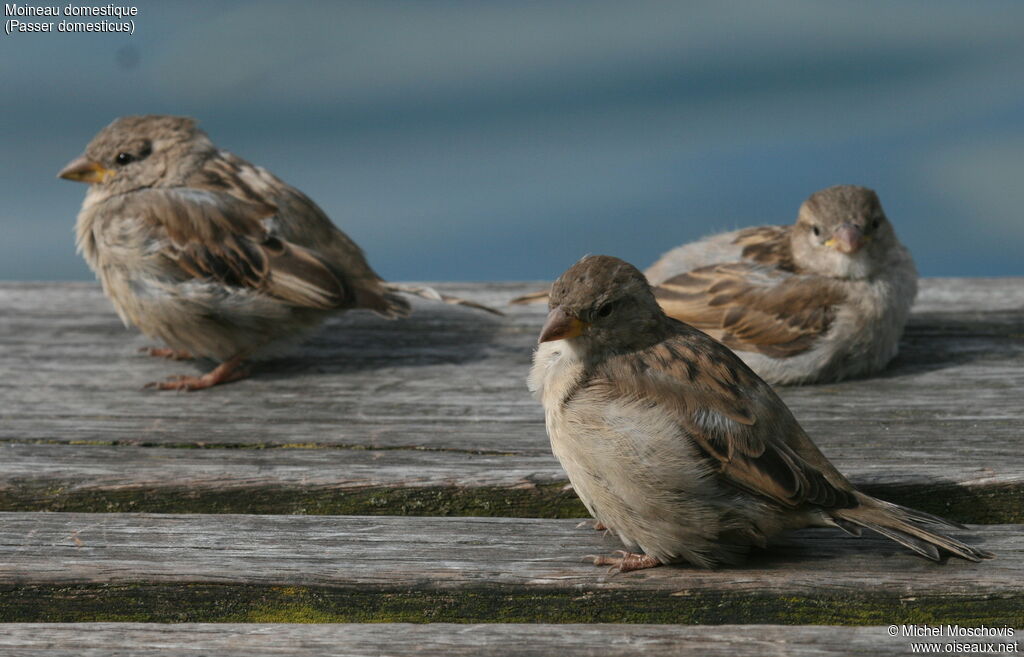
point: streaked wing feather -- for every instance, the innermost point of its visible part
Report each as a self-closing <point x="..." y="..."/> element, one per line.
<point x="303" y="225"/>
<point x="735" y="419"/>
<point x="751" y="307"/>
<point x="222" y="238"/>
<point x="767" y="245"/>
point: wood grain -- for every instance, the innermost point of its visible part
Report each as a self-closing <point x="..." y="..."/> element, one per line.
<point x="443" y="639"/>
<point x="430" y="415"/>
<point x="448" y="378"/>
<point x="126" y="567"/>
<point x="416" y="482"/>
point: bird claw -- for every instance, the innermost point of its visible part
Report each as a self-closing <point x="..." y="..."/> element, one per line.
<point x="600" y="560"/>
<point x="626" y="562"/>
<point x="180" y="382"/>
<point x="224" y="373"/>
<point x="166" y="352"/>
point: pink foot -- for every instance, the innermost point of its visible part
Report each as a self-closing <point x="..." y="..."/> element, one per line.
<point x="626" y="562"/>
<point x="226" y="372"/>
<point x="165" y="352"/>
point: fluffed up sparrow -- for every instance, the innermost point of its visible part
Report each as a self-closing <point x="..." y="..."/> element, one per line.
<point x="210" y="254"/>
<point x="821" y="300"/>
<point x="673" y="443"/>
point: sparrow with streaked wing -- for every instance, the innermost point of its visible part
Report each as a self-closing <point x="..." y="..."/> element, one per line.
<point x="676" y="445"/>
<point x="821" y="300"/>
<point x="212" y="255"/>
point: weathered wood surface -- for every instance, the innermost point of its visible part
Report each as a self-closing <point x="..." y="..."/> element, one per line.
<point x="451" y="378"/>
<point x="441" y="639"/>
<point x="431" y="415"/>
<point x="409" y="482"/>
<point x="189" y="568"/>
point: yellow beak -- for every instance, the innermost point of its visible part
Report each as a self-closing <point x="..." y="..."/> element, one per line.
<point x="560" y="325"/>
<point x="85" y="170"/>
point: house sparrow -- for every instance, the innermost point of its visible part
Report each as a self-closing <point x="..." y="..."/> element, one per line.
<point x="676" y="445"/>
<point x="821" y="300"/>
<point x="210" y="254"/>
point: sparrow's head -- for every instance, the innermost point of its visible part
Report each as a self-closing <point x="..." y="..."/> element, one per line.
<point x="842" y="232"/>
<point x="604" y="304"/>
<point x="140" y="151"/>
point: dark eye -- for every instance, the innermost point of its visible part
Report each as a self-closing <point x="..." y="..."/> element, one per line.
<point x="605" y="310"/>
<point x="816" y="230"/>
<point x="124" y="158"/>
<point x="875" y="224"/>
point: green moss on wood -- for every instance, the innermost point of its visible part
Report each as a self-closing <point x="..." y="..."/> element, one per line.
<point x="540" y="501"/>
<point x="995" y="504"/>
<point x="299" y="604"/>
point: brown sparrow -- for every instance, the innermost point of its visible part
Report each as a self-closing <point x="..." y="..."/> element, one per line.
<point x="821" y="300"/>
<point x="210" y="254"/>
<point x="674" y="443"/>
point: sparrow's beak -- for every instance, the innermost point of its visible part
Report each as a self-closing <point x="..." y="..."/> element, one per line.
<point x="85" y="170"/>
<point x="847" y="239"/>
<point x="560" y="325"/>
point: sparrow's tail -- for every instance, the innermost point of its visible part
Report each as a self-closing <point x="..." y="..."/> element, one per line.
<point x="532" y="297"/>
<point x="904" y="526"/>
<point x="432" y="294"/>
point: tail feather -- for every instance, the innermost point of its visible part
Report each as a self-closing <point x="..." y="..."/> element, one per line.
<point x="398" y="306"/>
<point x="376" y="297"/>
<point x="921" y="516"/>
<point x="922" y="547"/>
<point x="432" y="294"/>
<point x="902" y="525"/>
<point x="532" y="297"/>
<point x="847" y="526"/>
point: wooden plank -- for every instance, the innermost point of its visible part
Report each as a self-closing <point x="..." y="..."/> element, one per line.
<point x="288" y="481"/>
<point x="444" y="378"/>
<point x="451" y="378"/>
<point x="984" y="486"/>
<point x="444" y="639"/>
<point x="419" y="414"/>
<point x="57" y="567"/>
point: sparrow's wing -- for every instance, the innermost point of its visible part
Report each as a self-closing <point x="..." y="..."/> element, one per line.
<point x="302" y="223"/>
<point x="299" y="219"/>
<point x="740" y="425"/>
<point x="753" y="307"/>
<point x="767" y="245"/>
<point x="215" y="236"/>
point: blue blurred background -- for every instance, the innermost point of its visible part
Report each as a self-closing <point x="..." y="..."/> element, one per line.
<point x="502" y="140"/>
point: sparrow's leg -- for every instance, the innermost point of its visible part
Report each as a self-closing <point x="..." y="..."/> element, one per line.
<point x="229" y="370"/>
<point x="626" y="562"/>
<point x="597" y="526"/>
<point x="166" y="352"/>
